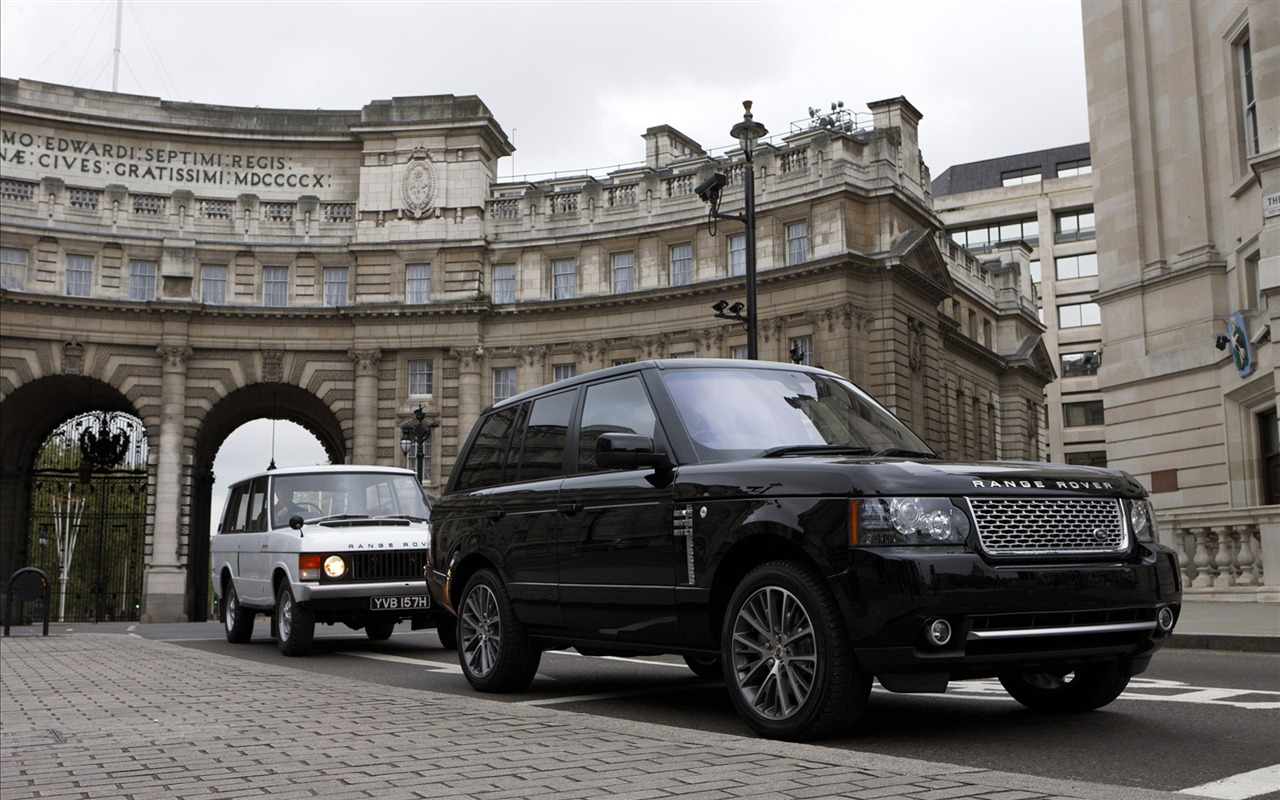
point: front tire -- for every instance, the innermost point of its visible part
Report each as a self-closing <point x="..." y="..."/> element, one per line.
<point x="295" y="625"/>
<point x="236" y="617"/>
<point x="709" y="667"/>
<point x="447" y="630"/>
<point x="494" y="650"/>
<point x="1085" y="689"/>
<point x="379" y="630"/>
<point x="787" y="660"/>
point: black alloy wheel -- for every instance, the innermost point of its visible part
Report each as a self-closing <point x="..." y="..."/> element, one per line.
<point x="494" y="650"/>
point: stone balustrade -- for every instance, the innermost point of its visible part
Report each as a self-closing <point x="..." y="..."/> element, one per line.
<point x="1227" y="554"/>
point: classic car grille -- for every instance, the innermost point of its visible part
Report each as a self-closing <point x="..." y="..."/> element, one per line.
<point x="388" y="565"/>
<point x="1038" y="526"/>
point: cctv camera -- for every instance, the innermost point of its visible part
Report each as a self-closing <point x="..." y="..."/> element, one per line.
<point x="709" y="190"/>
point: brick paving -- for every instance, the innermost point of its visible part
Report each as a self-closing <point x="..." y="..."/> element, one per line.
<point x="111" y="716"/>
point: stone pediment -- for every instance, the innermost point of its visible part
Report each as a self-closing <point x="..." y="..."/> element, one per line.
<point x="917" y="251"/>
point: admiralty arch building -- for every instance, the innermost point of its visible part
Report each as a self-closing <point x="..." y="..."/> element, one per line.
<point x="189" y="268"/>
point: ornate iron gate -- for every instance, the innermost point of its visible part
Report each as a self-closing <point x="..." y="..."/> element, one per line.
<point x="88" y="517"/>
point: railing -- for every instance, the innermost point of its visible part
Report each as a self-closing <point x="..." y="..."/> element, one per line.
<point x="1221" y="552"/>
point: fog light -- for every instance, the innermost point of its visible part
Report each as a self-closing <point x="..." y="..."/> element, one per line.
<point x="1165" y="619"/>
<point x="938" y="632"/>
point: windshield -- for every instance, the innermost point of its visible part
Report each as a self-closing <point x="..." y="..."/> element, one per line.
<point x="347" y="494"/>
<point x="740" y="413"/>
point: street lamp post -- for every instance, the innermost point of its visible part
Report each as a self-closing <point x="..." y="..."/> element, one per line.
<point x="748" y="133"/>
<point x="415" y="437"/>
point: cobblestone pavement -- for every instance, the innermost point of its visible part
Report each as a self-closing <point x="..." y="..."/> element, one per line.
<point x="110" y="716"/>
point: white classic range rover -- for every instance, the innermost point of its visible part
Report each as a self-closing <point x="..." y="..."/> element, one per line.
<point x="325" y="544"/>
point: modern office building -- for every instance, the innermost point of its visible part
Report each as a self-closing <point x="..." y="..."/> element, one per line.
<point x="192" y="268"/>
<point x="1041" y="204"/>
<point x="1184" y="130"/>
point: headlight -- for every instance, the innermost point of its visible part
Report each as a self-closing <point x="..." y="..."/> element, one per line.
<point x="909" y="520"/>
<point x="1142" y="520"/>
<point x="335" y="567"/>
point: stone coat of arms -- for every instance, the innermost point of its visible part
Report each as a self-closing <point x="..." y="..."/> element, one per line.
<point x="418" y="185"/>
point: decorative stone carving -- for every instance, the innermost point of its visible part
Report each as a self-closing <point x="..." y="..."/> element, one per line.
<point x="589" y="351"/>
<point x="72" y="358"/>
<point x="915" y="343"/>
<point x="174" y="356"/>
<point x="418" y="184"/>
<point x="272" y="366"/>
<point x="366" y="361"/>
<point x="654" y="346"/>
<point x="468" y="357"/>
<point x="532" y="354"/>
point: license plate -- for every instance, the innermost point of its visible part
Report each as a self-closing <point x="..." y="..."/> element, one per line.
<point x="409" y="602"/>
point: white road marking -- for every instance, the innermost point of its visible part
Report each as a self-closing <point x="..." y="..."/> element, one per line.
<point x="1242" y="786"/>
<point x="580" y="698"/>
<point x="433" y="666"/>
<point x="623" y="659"/>
<point x="1145" y="689"/>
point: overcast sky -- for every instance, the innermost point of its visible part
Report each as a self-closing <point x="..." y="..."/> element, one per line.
<point x="576" y="84"/>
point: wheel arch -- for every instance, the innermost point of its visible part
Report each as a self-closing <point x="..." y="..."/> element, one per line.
<point x="766" y="543"/>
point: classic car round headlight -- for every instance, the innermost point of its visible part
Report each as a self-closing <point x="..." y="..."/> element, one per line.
<point x="335" y="567"/>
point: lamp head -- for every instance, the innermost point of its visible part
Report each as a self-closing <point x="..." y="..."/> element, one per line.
<point x="748" y="132"/>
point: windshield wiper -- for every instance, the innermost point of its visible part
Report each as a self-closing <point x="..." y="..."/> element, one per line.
<point x="895" y="451"/>
<point x="409" y="517"/>
<point x="816" y="449"/>
<point x="336" y="517"/>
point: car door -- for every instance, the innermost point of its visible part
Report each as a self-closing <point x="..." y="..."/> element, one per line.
<point x="617" y="554"/>
<point x="254" y="585"/>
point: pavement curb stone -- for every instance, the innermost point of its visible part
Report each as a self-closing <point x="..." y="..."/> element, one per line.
<point x="111" y="716"/>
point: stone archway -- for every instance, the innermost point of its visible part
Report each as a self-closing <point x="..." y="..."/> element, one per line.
<point x="27" y="417"/>
<point x="258" y="401"/>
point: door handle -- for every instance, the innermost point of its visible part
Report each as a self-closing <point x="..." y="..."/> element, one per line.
<point x="569" y="508"/>
<point x="494" y="514"/>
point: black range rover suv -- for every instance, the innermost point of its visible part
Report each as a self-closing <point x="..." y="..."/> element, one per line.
<point x="776" y="525"/>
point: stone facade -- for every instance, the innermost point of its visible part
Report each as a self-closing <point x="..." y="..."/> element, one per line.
<point x="200" y="267"/>
<point x="1184" y="117"/>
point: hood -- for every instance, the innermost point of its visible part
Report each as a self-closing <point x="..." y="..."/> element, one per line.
<point x="854" y="476"/>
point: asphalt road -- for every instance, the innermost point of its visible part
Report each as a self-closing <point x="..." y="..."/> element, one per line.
<point x="1194" y="718"/>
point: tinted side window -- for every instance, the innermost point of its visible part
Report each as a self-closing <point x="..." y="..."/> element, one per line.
<point x="483" y="464"/>
<point x="620" y="406"/>
<point x="542" y="442"/>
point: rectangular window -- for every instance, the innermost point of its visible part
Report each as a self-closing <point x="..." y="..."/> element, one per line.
<point x="421" y="377"/>
<point x="1077" y="415"/>
<point x="797" y="243"/>
<point x="981" y="238"/>
<point x="1088" y="458"/>
<point x="1035" y="270"/>
<point x="504" y="383"/>
<point x="624" y="272"/>
<point x="1019" y="177"/>
<point x="275" y="287"/>
<point x="1269" y="450"/>
<point x="335" y="286"/>
<point x="1068" y="169"/>
<point x="539" y="453"/>
<point x="1079" y="315"/>
<point x="617" y="362"/>
<point x="417" y="288"/>
<point x="504" y="283"/>
<point x="79" y="275"/>
<point x="142" y="280"/>
<point x="213" y="284"/>
<point x="738" y="351"/>
<point x="1248" y="99"/>
<point x="682" y="265"/>
<point x="561" y="372"/>
<point x="738" y="254"/>
<point x="1079" y="365"/>
<point x="1084" y="265"/>
<point x="13" y="269"/>
<point x="564" y="278"/>
<point x="801" y="351"/>
<point x="1073" y="226"/>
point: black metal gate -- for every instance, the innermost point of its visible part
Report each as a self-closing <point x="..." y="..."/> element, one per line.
<point x="88" y="518"/>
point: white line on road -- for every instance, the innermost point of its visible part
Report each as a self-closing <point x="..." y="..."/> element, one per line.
<point x="434" y="666"/>
<point x="1242" y="786"/>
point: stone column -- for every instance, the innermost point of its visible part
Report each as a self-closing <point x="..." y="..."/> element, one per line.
<point x="364" y="444"/>
<point x="470" y="399"/>
<point x="165" y="583"/>
<point x="531" y="367"/>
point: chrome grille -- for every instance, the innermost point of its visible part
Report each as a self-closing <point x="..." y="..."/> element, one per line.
<point x="388" y="565"/>
<point x="1014" y="526"/>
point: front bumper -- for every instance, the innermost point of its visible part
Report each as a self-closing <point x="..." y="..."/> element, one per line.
<point x="1003" y="618"/>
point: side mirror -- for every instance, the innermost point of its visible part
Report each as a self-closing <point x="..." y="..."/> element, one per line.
<point x="295" y="522"/>
<point x="628" y="451"/>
